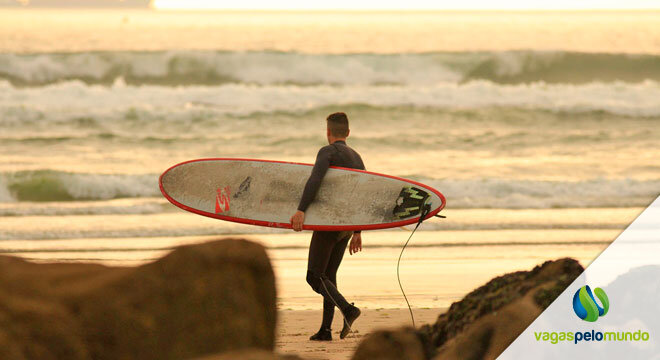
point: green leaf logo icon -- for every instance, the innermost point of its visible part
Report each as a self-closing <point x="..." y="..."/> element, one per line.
<point x="585" y="305"/>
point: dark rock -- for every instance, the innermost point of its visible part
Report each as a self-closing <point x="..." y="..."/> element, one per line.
<point x="547" y="281"/>
<point x="483" y="323"/>
<point x="404" y="343"/>
<point x="489" y="335"/>
<point x="199" y="299"/>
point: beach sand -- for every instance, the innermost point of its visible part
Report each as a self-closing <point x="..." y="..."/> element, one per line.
<point x="296" y="326"/>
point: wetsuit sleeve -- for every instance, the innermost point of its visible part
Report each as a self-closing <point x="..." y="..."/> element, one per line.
<point x="314" y="182"/>
<point x="362" y="168"/>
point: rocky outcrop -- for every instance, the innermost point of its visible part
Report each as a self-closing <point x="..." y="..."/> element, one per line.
<point x="485" y="321"/>
<point x="403" y="343"/>
<point x="199" y="299"/>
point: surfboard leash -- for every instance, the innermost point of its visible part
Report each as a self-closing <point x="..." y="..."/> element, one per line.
<point x="425" y="211"/>
<point x="350" y="330"/>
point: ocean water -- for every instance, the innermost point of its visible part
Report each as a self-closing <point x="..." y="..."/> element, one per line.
<point x="541" y="129"/>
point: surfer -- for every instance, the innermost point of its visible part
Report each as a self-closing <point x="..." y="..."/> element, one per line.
<point x="327" y="248"/>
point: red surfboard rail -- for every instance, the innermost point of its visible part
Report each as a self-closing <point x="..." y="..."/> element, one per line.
<point x="305" y="227"/>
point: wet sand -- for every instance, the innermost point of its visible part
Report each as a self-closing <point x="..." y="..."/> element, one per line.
<point x="295" y="327"/>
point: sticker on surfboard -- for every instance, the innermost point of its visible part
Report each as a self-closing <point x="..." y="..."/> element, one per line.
<point x="411" y="202"/>
<point x="222" y="200"/>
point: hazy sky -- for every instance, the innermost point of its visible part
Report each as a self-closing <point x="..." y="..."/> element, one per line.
<point x="408" y="4"/>
<point x="76" y="3"/>
<point x="347" y="4"/>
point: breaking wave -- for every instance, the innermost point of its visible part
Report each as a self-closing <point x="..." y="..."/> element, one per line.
<point x="75" y="99"/>
<point x="50" y="185"/>
<point x="172" y="68"/>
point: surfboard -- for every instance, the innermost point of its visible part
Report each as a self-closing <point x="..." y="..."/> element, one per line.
<point x="267" y="193"/>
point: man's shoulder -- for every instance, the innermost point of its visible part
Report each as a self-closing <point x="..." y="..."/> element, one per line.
<point x="327" y="149"/>
<point x="351" y="150"/>
<point x="334" y="148"/>
<point x="326" y="152"/>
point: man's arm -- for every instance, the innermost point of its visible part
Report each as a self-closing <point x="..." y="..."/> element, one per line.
<point x="314" y="182"/>
<point x="312" y="186"/>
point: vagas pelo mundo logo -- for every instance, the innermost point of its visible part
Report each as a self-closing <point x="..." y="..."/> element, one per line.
<point x="588" y="309"/>
<point x="585" y="305"/>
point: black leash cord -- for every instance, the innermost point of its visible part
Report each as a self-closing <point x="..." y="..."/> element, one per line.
<point x="421" y="218"/>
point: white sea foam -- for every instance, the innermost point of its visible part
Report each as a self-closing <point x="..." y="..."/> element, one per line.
<point x="528" y="194"/>
<point x="76" y="99"/>
<point x="5" y="195"/>
<point x="468" y="193"/>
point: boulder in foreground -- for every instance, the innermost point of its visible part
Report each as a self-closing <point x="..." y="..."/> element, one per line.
<point x="404" y="343"/>
<point x="485" y="321"/>
<point x="197" y="300"/>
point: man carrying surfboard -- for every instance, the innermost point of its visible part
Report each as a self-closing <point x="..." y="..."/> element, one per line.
<point x="327" y="248"/>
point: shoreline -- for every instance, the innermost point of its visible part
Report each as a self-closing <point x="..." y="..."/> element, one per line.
<point x="437" y="269"/>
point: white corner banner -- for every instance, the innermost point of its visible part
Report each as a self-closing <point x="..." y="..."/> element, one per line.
<point x="612" y="310"/>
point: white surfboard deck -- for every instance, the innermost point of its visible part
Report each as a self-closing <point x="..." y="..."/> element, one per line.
<point x="267" y="193"/>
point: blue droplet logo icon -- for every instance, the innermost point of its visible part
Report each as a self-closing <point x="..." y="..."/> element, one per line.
<point x="585" y="305"/>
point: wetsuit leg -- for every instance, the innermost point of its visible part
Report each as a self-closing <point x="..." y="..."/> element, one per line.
<point x="336" y="256"/>
<point x="326" y="251"/>
<point x="320" y="249"/>
<point x="329" y="289"/>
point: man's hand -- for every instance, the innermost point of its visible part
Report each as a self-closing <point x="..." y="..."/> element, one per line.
<point x="297" y="220"/>
<point x="356" y="243"/>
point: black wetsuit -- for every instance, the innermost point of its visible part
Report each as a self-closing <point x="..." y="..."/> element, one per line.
<point x="327" y="248"/>
<point x="335" y="154"/>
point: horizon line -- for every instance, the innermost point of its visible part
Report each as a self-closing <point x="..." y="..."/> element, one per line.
<point x="150" y="6"/>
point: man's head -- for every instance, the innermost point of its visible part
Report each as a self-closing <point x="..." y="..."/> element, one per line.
<point x="337" y="127"/>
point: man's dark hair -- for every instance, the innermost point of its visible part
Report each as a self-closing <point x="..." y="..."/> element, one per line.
<point x="338" y="124"/>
